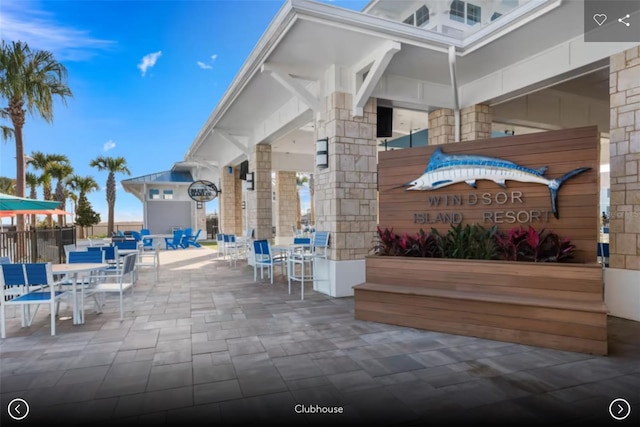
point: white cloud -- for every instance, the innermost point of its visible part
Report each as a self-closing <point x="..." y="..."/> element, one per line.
<point x="148" y="61"/>
<point x="109" y="145"/>
<point x="39" y="29"/>
<point x="206" y="66"/>
<point x="203" y="65"/>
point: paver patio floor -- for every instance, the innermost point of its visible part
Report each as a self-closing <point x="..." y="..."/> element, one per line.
<point x="207" y="345"/>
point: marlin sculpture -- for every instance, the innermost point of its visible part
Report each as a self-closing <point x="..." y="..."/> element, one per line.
<point x="448" y="169"/>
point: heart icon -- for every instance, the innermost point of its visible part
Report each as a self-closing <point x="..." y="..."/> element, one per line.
<point x="599" y="18"/>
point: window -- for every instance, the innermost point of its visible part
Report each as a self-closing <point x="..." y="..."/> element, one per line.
<point x="154" y="194"/>
<point x="167" y="194"/>
<point x="474" y="14"/>
<point x="495" y="16"/>
<point x="422" y="16"/>
<point x="457" y="11"/>
<point x="409" y="20"/>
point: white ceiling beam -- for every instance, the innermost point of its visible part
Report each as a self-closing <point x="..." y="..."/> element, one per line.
<point x="231" y="136"/>
<point x="374" y="65"/>
<point x="284" y="77"/>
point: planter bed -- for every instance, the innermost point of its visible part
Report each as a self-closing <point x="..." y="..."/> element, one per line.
<point x="548" y="305"/>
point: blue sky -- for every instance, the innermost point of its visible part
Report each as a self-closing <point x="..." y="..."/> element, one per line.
<point x="145" y="76"/>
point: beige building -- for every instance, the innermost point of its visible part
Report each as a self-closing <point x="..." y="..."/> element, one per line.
<point x="462" y="70"/>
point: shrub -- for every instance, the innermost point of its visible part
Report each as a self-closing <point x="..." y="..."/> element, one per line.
<point x="476" y="242"/>
<point x="520" y="244"/>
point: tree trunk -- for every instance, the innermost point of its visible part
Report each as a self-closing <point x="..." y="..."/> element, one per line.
<point x="17" y="118"/>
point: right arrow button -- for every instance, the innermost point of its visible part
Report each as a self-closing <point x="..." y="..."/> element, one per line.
<point x="619" y="409"/>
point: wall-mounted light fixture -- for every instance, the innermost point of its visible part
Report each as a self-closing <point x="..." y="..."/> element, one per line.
<point x="229" y="170"/>
<point x="322" y="153"/>
<point x="199" y="205"/>
<point x="250" y="183"/>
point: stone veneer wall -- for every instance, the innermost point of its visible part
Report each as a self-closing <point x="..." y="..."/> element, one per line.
<point x="345" y="192"/>
<point x="441" y="126"/>
<point x="624" y="230"/>
<point x="475" y="122"/>
<point x="239" y="212"/>
<point x="227" y="202"/>
<point x="286" y="206"/>
<point x="201" y="223"/>
<point x="259" y="200"/>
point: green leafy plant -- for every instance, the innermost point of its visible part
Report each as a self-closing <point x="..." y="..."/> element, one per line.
<point x="468" y="242"/>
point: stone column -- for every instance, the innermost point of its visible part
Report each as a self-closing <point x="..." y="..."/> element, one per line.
<point x="228" y="201"/>
<point x="475" y="122"/>
<point x="345" y="192"/>
<point x="441" y="126"/>
<point x="201" y="223"/>
<point x="622" y="291"/>
<point x="239" y="217"/>
<point x="286" y="190"/>
<point x="259" y="200"/>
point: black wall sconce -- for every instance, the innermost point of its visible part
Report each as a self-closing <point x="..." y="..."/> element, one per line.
<point x="322" y="153"/>
<point x="250" y="182"/>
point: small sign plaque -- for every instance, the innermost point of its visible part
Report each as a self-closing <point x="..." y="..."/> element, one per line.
<point x="203" y="191"/>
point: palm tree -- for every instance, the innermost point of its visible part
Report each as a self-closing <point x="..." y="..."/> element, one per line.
<point x="113" y="165"/>
<point x="44" y="163"/>
<point x="32" y="181"/>
<point x="29" y="81"/>
<point x="5" y="132"/>
<point x="300" y="180"/>
<point x="83" y="185"/>
<point x="312" y="191"/>
<point x="7" y="185"/>
<point x="73" y="197"/>
<point x="60" y="171"/>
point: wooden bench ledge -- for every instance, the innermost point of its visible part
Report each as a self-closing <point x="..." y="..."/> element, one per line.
<point x="596" y="306"/>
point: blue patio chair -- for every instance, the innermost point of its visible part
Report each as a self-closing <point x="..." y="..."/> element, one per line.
<point x="89" y="256"/>
<point x="220" y="244"/>
<point x="603" y="254"/>
<point x="23" y="285"/>
<point x="136" y="236"/>
<point x="5" y="260"/>
<point x="320" y="244"/>
<point x="232" y="248"/>
<point x="126" y="244"/>
<point x="176" y="241"/>
<point x="147" y="242"/>
<point x="110" y="253"/>
<point x="263" y="258"/>
<point x="192" y="240"/>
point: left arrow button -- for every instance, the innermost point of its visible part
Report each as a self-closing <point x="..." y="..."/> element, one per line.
<point x="18" y="409"/>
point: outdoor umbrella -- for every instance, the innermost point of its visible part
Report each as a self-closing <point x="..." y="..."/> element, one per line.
<point x="4" y="214"/>
<point x="25" y="206"/>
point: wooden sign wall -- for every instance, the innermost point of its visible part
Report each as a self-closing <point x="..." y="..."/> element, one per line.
<point x="490" y="204"/>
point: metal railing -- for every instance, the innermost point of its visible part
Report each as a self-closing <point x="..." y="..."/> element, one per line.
<point x="36" y="245"/>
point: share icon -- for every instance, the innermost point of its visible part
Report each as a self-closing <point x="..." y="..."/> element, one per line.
<point x="622" y="20"/>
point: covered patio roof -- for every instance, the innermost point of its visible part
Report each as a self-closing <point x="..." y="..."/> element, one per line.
<point x="278" y="93"/>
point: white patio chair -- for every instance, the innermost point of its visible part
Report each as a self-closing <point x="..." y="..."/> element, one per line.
<point x="149" y="260"/>
<point x="118" y="282"/>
